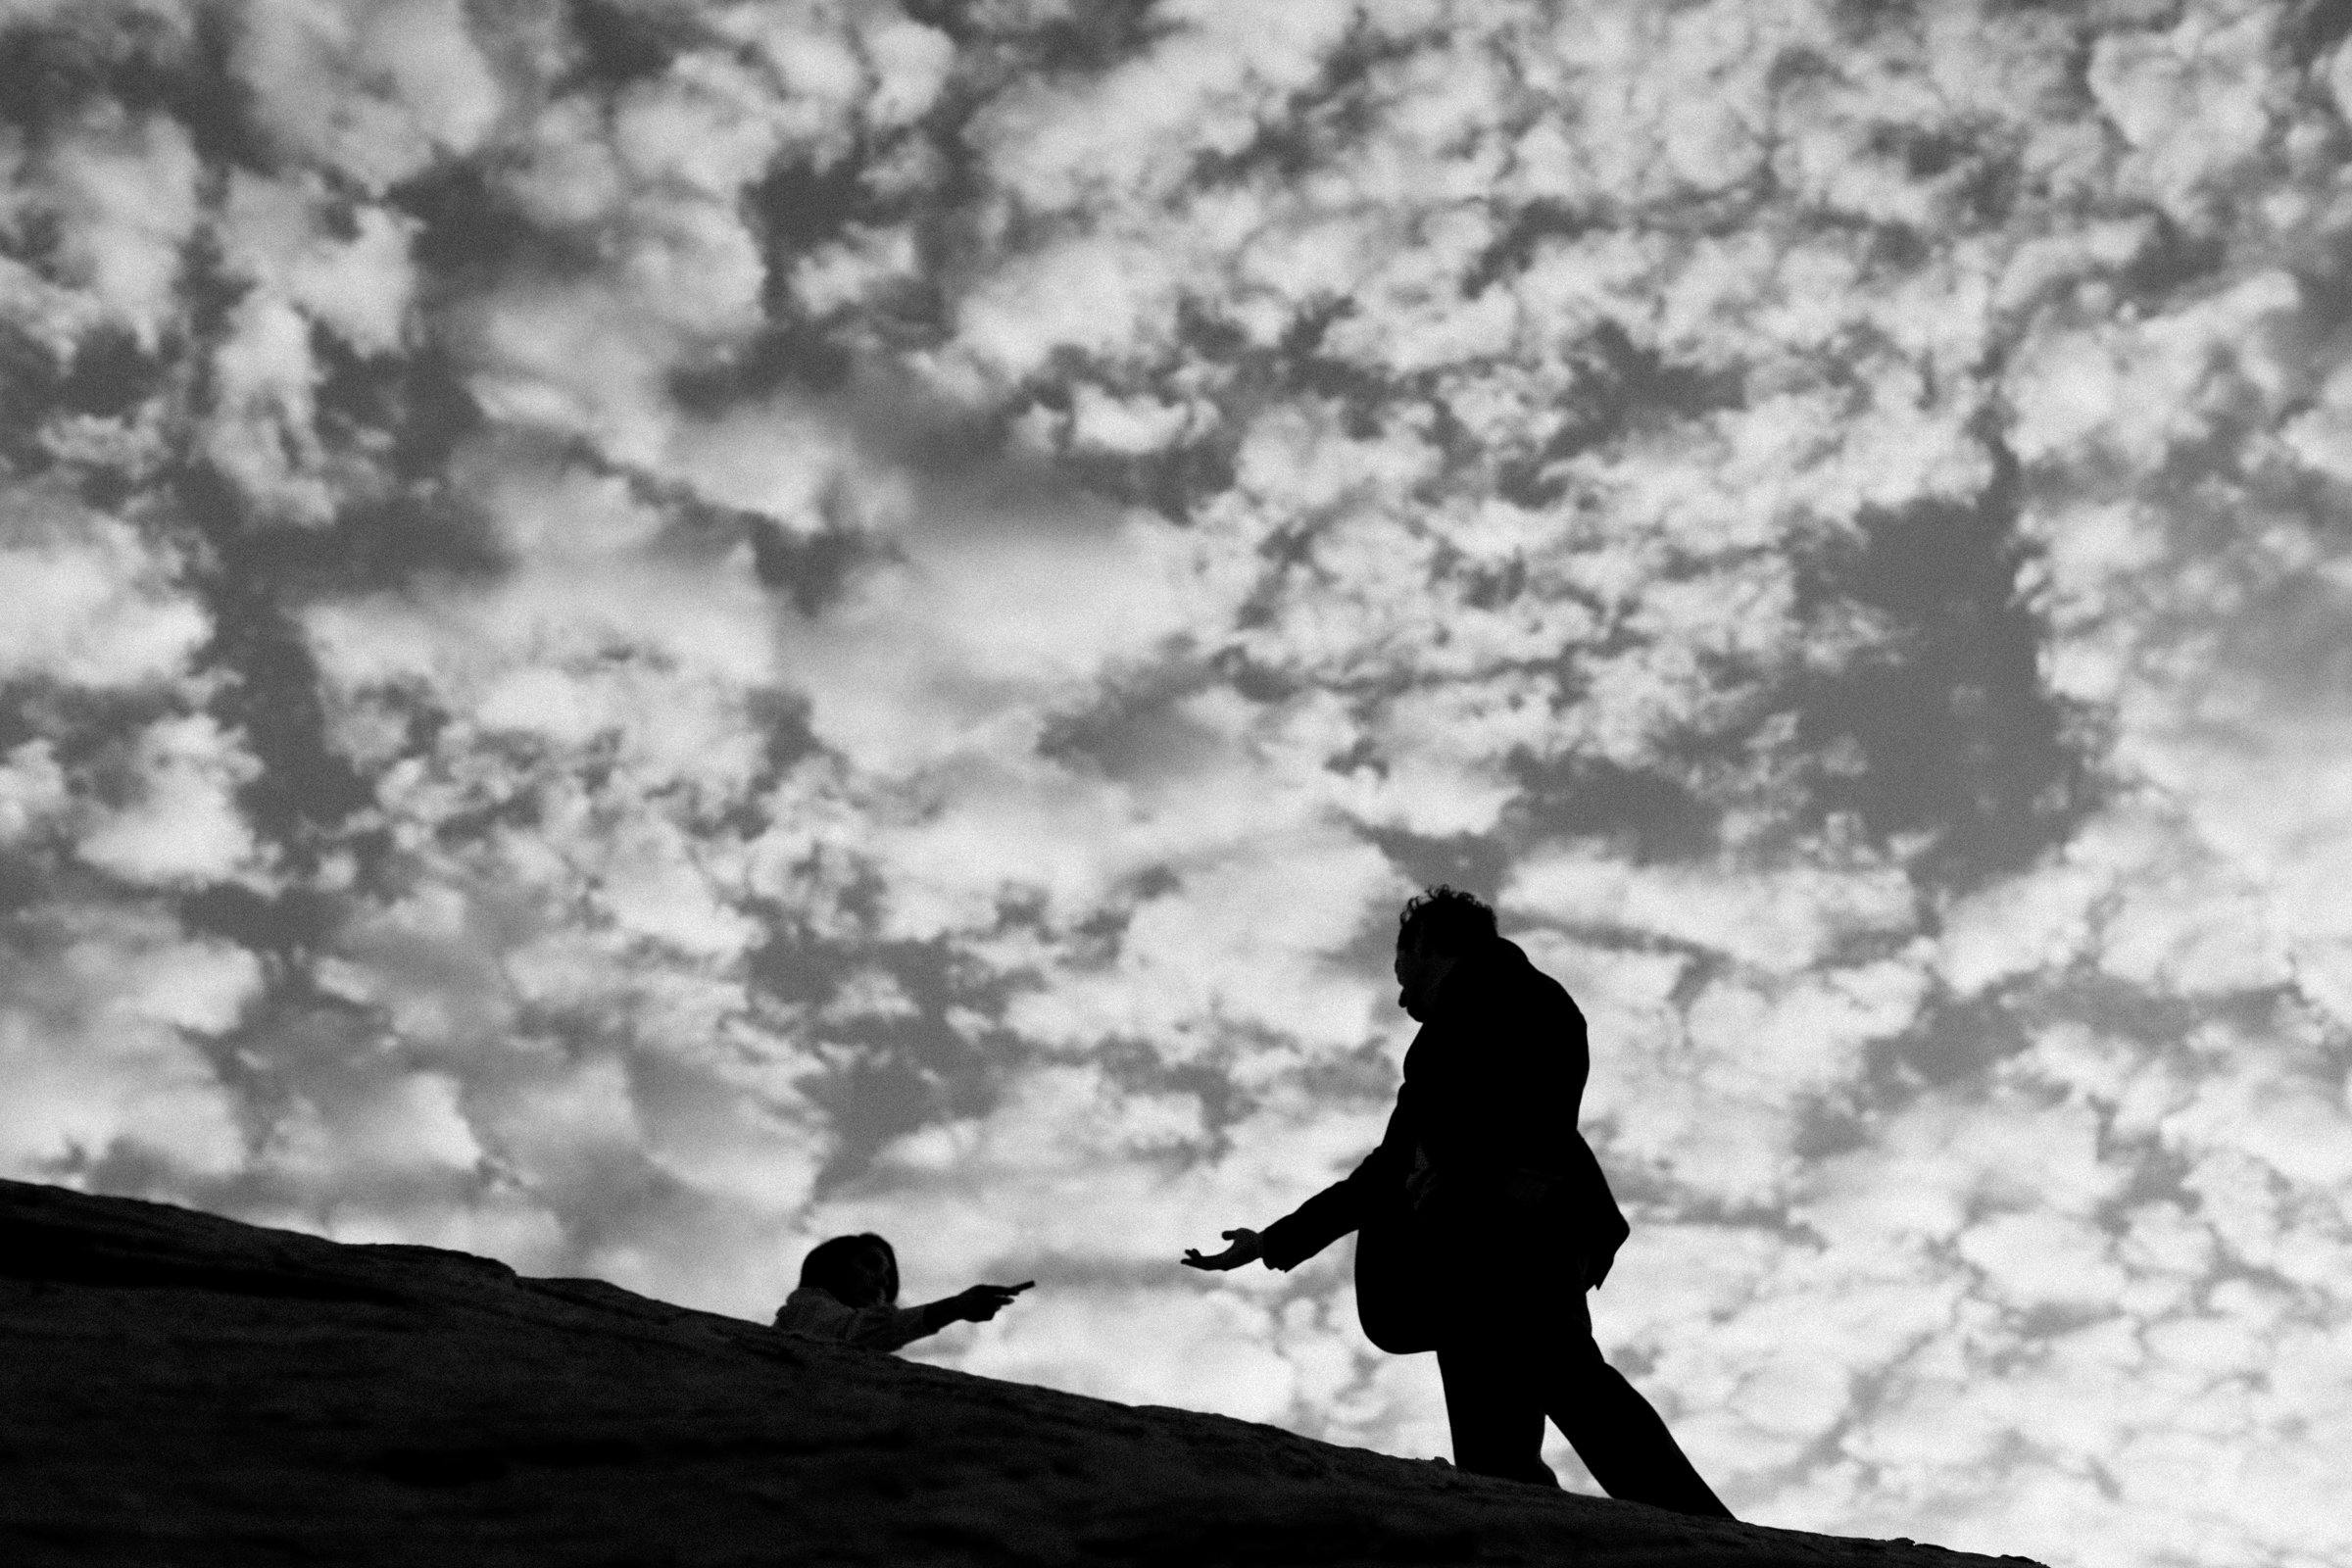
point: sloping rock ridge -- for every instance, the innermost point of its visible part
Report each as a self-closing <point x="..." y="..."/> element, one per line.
<point x="179" y="1389"/>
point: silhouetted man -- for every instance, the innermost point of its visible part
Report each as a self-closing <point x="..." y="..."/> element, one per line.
<point x="1483" y="1218"/>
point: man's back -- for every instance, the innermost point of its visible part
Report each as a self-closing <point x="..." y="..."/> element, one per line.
<point x="1497" y="1075"/>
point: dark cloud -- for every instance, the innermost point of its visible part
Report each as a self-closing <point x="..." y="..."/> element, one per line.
<point x="1958" y="735"/>
<point x="620" y="43"/>
<point x="926" y="1050"/>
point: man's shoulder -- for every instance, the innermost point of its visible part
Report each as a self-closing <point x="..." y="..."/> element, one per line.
<point x="1512" y="972"/>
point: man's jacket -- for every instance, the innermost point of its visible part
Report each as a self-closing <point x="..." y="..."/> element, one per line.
<point x="1481" y="1182"/>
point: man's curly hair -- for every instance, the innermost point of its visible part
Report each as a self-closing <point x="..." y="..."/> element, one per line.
<point x="1447" y="920"/>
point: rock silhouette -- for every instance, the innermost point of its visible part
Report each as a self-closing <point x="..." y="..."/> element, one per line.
<point x="184" y="1388"/>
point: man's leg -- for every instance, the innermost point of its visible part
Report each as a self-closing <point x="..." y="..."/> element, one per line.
<point x="1493" y="1405"/>
<point x="1614" y="1430"/>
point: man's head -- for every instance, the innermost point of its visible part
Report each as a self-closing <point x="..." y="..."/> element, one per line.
<point x="1437" y="928"/>
<point x="854" y="1270"/>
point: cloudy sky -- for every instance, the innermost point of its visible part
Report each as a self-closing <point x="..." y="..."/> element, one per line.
<point x="633" y="632"/>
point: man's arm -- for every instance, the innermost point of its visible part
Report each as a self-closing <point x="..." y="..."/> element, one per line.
<point x="1324" y="1219"/>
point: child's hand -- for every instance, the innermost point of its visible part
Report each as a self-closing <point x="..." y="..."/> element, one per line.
<point x="984" y="1302"/>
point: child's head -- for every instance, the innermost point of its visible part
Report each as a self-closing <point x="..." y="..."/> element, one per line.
<point x="858" y="1270"/>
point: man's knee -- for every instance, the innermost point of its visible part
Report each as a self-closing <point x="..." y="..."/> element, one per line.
<point x="1578" y="1363"/>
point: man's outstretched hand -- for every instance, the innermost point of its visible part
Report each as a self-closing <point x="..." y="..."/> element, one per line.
<point x="1244" y="1249"/>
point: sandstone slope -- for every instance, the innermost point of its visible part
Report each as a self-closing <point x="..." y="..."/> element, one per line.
<point x="180" y="1389"/>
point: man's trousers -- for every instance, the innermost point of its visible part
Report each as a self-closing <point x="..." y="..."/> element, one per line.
<point x="1498" y="1389"/>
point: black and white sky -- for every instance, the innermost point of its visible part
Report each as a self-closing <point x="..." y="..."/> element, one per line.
<point x="633" y="633"/>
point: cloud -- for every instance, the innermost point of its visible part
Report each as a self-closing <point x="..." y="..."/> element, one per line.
<point x="361" y="284"/>
<point x="125" y="191"/>
<point x="374" y="91"/>
<point x="98" y="606"/>
<point x="183" y="825"/>
<point x="98" y="1036"/>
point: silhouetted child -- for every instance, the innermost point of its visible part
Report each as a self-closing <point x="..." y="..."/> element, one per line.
<point x="849" y="1291"/>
